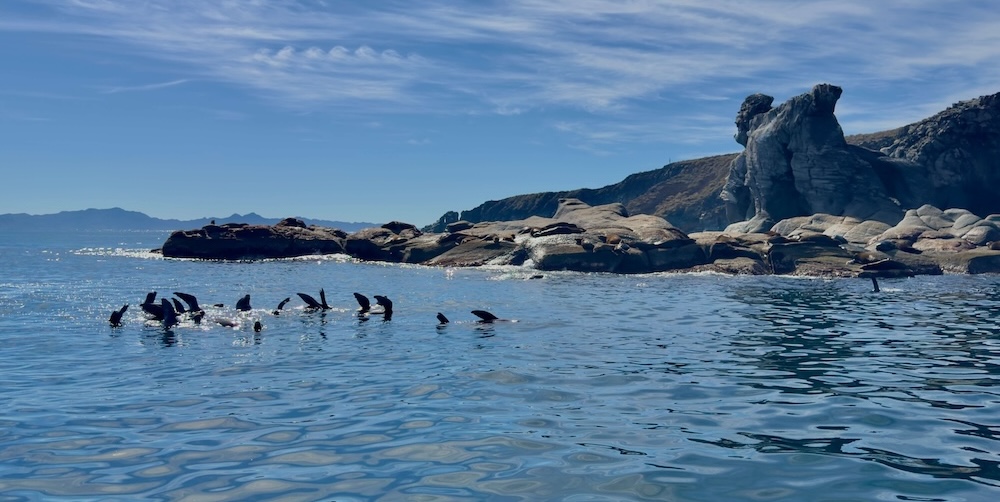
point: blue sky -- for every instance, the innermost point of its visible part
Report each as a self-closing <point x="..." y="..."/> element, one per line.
<point x="402" y="110"/>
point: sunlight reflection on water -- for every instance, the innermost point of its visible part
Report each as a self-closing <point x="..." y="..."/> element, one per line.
<point x="659" y="387"/>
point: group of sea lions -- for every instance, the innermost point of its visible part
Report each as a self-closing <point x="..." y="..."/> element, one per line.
<point x="170" y="311"/>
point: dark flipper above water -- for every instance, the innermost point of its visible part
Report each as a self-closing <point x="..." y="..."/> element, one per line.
<point x="322" y="300"/>
<point x="155" y="311"/>
<point x="484" y="316"/>
<point x="281" y="306"/>
<point x="311" y="302"/>
<point x="363" y="302"/>
<point x="386" y="304"/>
<point x="190" y="300"/>
<point x="442" y="319"/>
<point x="875" y="285"/>
<point x="169" y="315"/>
<point x="149" y="306"/>
<point x="178" y="306"/>
<point x="116" y="316"/>
<point x="243" y="304"/>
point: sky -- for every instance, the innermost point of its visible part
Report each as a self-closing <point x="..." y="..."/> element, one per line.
<point x="374" y="111"/>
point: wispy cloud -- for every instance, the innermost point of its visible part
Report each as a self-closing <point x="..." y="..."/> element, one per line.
<point x="146" y="87"/>
<point x="605" y="57"/>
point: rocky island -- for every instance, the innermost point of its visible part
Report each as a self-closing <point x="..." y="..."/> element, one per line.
<point x="800" y="199"/>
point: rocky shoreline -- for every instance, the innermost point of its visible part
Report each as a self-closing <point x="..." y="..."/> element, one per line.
<point x="605" y="238"/>
<point x="803" y="199"/>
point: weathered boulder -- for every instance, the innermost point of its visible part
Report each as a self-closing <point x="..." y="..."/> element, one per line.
<point x="477" y="251"/>
<point x="238" y="241"/>
<point x="929" y="228"/>
<point x="797" y="162"/>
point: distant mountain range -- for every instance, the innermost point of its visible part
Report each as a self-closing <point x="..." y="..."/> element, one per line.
<point x="120" y="219"/>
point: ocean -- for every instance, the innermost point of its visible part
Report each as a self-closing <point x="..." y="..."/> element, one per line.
<point x="682" y="387"/>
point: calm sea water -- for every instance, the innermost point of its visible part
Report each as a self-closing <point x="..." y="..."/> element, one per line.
<point x="652" y="387"/>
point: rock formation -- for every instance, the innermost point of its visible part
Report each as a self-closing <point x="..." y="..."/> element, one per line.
<point x="797" y="162"/>
<point x="239" y="241"/>
<point x="606" y="238"/>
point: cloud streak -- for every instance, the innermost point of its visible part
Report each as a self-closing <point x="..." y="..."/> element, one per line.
<point x="146" y="87"/>
<point x="616" y="60"/>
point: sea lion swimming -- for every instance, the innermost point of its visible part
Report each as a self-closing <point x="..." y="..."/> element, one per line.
<point x="178" y="306"/>
<point x="116" y="316"/>
<point x="150" y="307"/>
<point x="488" y="318"/>
<point x="364" y="304"/>
<point x="484" y="316"/>
<point x="386" y="306"/>
<point x="257" y="326"/>
<point x="190" y="300"/>
<point x="243" y="304"/>
<point x="280" y="306"/>
<point x="169" y="316"/>
<point x="311" y="302"/>
<point x="194" y="310"/>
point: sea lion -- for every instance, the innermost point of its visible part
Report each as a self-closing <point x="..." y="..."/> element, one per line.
<point x="386" y="306"/>
<point x="194" y="310"/>
<point x="311" y="302"/>
<point x="116" y="316"/>
<point x="442" y="319"/>
<point x="280" y="306"/>
<point x="484" y="316"/>
<point x="190" y="300"/>
<point x="169" y="316"/>
<point x="178" y="306"/>
<point x="364" y="304"/>
<point x="257" y="326"/>
<point x="243" y="304"/>
<point x="150" y="307"/>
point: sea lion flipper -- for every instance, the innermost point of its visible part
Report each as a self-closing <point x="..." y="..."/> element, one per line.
<point x="310" y="301"/>
<point x="169" y="315"/>
<point x="116" y="316"/>
<point x="363" y="301"/>
<point x="484" y="316"/>
<point x="442" y="319"/>
<point x="190" y="300"/>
